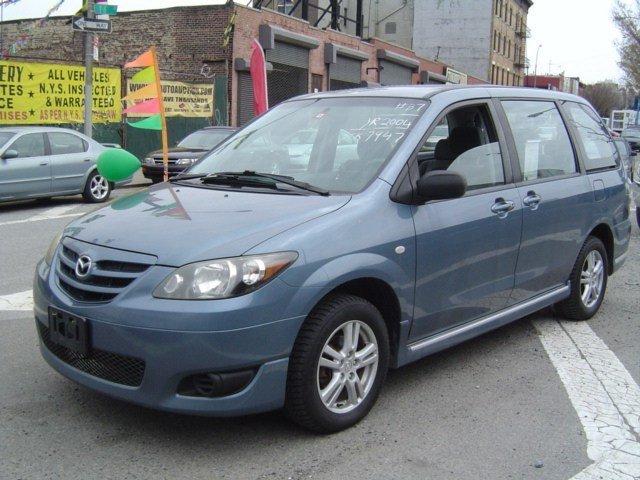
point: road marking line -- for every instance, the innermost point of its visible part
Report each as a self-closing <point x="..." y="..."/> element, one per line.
<point x="604" y="395"/>
<point x="50" y="214"/>
<point x="22" y="301"/>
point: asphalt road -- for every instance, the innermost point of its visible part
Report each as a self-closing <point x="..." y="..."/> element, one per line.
<point x="538" y="399"/>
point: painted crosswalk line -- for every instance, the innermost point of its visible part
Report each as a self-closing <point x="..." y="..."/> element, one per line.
<point x="604" y="395"/>
<point x="22" y="302"/>
<point x="49" y="214"/>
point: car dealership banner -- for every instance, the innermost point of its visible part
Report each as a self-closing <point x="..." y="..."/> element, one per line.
<point x="181" y="99"/>
<point x="49" y="93"/>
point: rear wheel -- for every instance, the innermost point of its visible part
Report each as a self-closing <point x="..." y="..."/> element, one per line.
<point x="97" y="189"/>
<point x="588" y="282"/>
<point x="638" y="215"/>
<point x="338" y="364"/>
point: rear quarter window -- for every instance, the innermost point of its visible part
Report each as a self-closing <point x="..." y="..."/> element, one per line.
<point x="600" y="152"/>
<point x="541" y="139"/>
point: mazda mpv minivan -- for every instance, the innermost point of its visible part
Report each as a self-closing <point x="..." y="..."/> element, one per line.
<point x="252" y="283"/>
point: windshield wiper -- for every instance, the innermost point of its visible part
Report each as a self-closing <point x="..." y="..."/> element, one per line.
<point x="187" y="176"/>
<point x="244" y="178"/>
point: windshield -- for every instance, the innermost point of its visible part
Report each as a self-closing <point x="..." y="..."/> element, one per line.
<point x="5" y="137"/>
<point x="336" y="144"/>
<point x="204" y="139"/>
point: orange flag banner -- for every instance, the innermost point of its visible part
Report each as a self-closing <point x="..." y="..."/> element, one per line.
<point x="144" y="60"/>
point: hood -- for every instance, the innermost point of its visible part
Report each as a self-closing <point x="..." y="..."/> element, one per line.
<point x="179" y="152"/>
<point x="181" y="224"/>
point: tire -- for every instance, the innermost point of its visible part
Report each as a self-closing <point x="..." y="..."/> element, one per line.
<point x="575" y="307"/>
<point x="306" y="378"/>
<point x="97" y="189"/>
<point x="638" y="215"/>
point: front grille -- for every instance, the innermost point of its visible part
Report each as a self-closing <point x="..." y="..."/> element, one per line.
<point x="107" y="278"/>
<point x="160" y="161"/>
<point x="99" y="363"/>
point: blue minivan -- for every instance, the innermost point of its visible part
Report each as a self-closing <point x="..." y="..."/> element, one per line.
<point x="255" y="281"/>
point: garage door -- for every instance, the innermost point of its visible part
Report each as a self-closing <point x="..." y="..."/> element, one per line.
<point x="290" y="74"/>
<point x="394" y="74"/>
<point x="345" y="73"/>
<point x="245" y="98"/>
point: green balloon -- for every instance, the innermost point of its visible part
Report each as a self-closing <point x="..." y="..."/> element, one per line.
<point x="117" y="164"/>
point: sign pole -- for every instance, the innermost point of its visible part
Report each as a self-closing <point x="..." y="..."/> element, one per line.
<point x="163" y="117"/>
<point x="88" y="75"/>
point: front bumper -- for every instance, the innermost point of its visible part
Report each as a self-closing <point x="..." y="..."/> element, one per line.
<point x="157" y="171"/>
<point x="171" y="355"/>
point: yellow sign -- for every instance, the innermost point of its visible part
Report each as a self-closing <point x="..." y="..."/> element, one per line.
<point x="181" y="99"/>
<point x="47" y="93"/>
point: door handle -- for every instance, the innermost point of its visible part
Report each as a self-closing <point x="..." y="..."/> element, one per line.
<point x="87" y="159"/>
<point x="502" y="207"/>
<point x="44" y="163"/>
<point x="532" y="200"/>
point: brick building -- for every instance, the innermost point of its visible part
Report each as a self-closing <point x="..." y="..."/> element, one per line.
<point x="192" y="48"/>
<point x="560" y="83"/>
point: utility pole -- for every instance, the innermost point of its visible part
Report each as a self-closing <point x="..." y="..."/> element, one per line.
<point x="535" y="70"/>
<point x="88" y="74"/>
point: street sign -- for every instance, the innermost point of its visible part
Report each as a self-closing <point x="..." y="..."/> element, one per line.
<point x="85" y="24"/>
<point x="104" y="9"/>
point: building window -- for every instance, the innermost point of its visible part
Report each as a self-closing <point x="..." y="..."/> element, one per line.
<point x="285" y="6"/>
<point x="496" y="7"/>
<point x="390" y="28"/>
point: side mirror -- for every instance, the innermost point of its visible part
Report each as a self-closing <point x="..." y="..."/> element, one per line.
<point x="10" y="154"/>
<point x="441" y="185"/>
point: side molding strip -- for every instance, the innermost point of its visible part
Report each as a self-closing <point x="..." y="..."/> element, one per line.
<point x="477" y="327"/>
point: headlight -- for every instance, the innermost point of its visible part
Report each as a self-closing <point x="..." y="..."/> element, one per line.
<point x="149" y="161"/>
<point x="48" y="258"/>
<point x="186" y="161"/>
<point x="224" y="278"/>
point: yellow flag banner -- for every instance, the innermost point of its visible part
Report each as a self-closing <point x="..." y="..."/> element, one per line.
<point x="180" y="99"/>
<point x="48" y="93"/>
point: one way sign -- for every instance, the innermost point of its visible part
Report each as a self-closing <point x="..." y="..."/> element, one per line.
<point x="85" y="24"/>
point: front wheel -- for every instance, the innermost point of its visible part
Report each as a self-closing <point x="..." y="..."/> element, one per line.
<point x="97" y="189"/>
<point x="588" y="282"/>
<point x="338" y="364"/>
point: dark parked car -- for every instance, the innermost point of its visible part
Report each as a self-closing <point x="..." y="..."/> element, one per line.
<point x="627" y="154"/>
<point x="632" y="135"/>
<point x="185" y="153"/>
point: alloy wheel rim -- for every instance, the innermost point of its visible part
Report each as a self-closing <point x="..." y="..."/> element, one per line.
<point x="591" y="278"/>
<point x="347" y="366"/>
<point x="99" y="187"/>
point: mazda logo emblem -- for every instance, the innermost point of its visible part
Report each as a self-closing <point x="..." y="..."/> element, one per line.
<point x="83" y="266"/>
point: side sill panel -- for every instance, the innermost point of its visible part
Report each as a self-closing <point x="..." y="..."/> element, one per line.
<point x="454" y="336"/>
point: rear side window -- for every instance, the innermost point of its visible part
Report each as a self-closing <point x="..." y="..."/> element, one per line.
<point x="29" y="145"/>
<point x="62" y="143"/>
<point x="541" y="138"/>
<point x="598" y="146"/>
